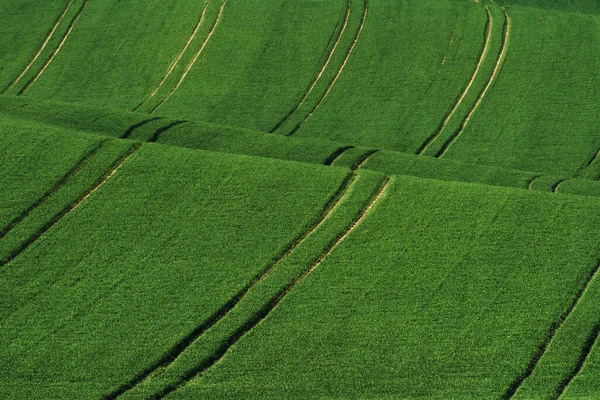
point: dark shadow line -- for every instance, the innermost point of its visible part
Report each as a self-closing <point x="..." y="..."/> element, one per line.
<point x="133" y="127"/>
<point x="583" y="356"/>
<point x="270" y="306"/>
<point x="162" y="130"/>
<point x="543" y="346"/>
<point x="71" y="206"/>
<point x="74" y="170"/>
<point x="336" y="154"/>
<point x="222" y="312"/>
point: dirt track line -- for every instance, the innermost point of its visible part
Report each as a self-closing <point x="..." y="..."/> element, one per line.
<point x="221" y="313"/>
<point x="337" y="75"/>
<point x="557" y="184"/>
<point x="585" y="352"/>
<point x="60" y="45"/>
<point x="74" y="170"/>
<point x="325" y="65"/>
<point x="273" y="303"/>
<point x="497" y="68"/>
<point x="191" y="64"/>
<point x="336" y="154"/>
<point x="66" y="210"/>
<point x="363" y="159"/>
<point x="589" y="163"/>
<point x="488" y="29"/>
<point x="176" y="62"/>
<point x="530" y="182"/>
<point x="41" y="49"/>
<point x="554" y="327"/>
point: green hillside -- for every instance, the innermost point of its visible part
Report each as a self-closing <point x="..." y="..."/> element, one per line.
<point x="251" y="199"/>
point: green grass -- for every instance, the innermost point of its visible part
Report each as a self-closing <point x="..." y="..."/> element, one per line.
<point x="161" y="230"/>
<point x="442" y="292"/>
<point x="299" y="199"/>
<point x="30" y="165"/>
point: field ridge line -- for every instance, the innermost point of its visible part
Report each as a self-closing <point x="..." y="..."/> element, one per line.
<point x="339" y="72"/>
<point x="177" y="59"/>
<point x="489" y="25"/>
<point x="554" y="327"/>
<point x="274" y="302"/>
<point x="41" y="49"/>
<point x="191" y="64"/>
<point x="133" y="127"/>
<point x="325" y="65"/>
<point x="224" y="310"/>
<point x="165" y="128"/>
<point x="70" y="207"/>
<point x="497" y="68"/>
<point x="584" y="354"/>
<point x="79" y="165"/>
<point x="336" y="154"/>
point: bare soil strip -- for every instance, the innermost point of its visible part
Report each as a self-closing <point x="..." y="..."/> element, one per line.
<point x="221" y="313"/>
<point x="325" y="65"/>
<point x="191" y="64"/>
<point x="488" y="28"/>
<point x="41" y="49"/>
<point x="554" y="327"/>
<point x="340" y="70"/>
<point x="176" y="62"/>
<point x="66" y="210"/>
<point x="272" y="304"/>
<point x="497" y="68"/>
<point x="60" y="45"/>
<point x="76" y="168"/>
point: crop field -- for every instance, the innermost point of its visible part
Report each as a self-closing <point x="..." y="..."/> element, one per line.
<point x="309" y="199"/>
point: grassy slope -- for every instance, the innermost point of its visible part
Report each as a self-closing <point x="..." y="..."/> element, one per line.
<point x="442" y="292"/>
<point x="258" y="63"/>
<point x="407" y="70"/>
<point x="30" y="165"/>
<point x="19" y="45"/>
<point x="163" y="230"/>
<point x="543" y="105"/>
<point x="117" y="52"/>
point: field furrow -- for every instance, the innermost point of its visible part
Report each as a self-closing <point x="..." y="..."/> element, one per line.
<point x="41" y="49"/>
<point x="177" y="59"/>
<point x="552" y="331"/>
<point x="57" y="50"/>
<point x="320" y="74"/>
<point x="65" y="199"/>
<point x="193" y="61"/>
<point x="222" y="312"/>
<point x="488" y="29"/>
<point x="339" y="71"/>
<point x="74" y="170"/>
<point x="497" y="68"/>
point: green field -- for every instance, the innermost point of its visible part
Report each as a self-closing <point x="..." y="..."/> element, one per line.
<point x="328" y="199"/>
